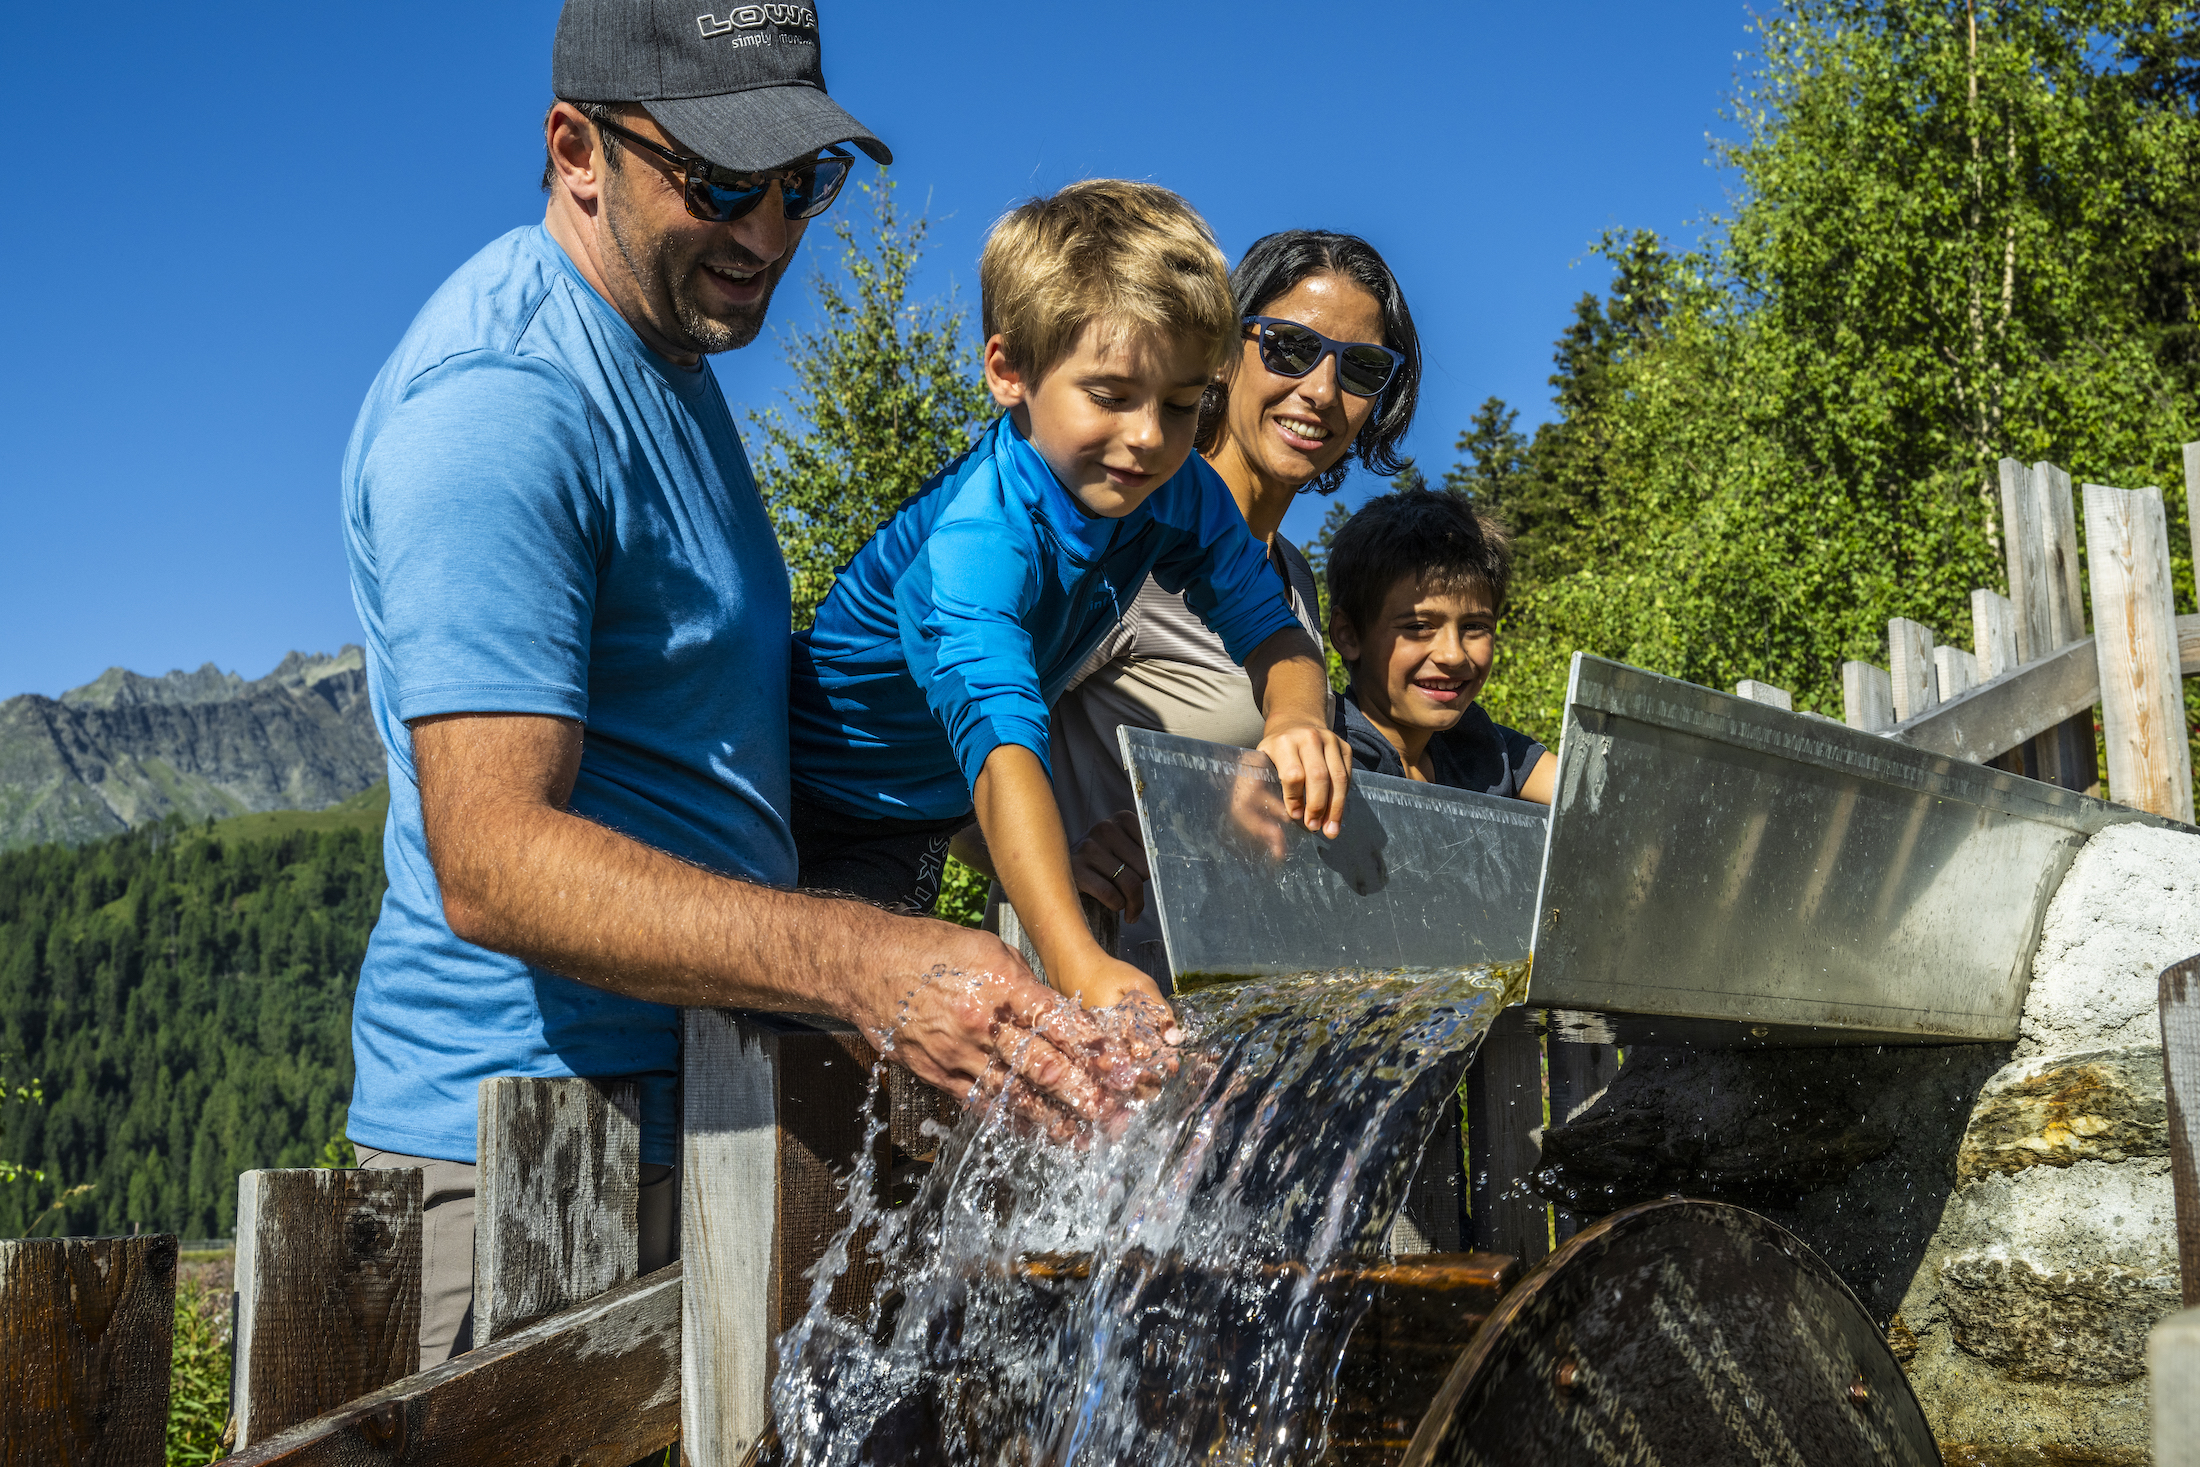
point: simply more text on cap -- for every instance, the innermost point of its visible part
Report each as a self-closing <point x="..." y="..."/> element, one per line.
<point x="742" y="85"/>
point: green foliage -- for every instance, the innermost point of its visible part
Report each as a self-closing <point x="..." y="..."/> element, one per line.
<point x="962" y="894"/>
<point x="187" y="998"/>
<point x="885" y="394"/>
<point x="198" y="1381"/>
<point x="1952" y="240"/>
<point x="1317" y="556"/>
<point x="337" y="1154"/>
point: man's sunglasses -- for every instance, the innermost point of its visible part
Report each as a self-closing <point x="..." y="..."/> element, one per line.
<point x="718" y="196"/>
<point x="1291" y="350"/>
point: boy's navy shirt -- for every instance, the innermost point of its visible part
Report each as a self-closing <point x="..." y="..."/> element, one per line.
<point x="544" y="516"/>
<point x="957" y="626"/>
<point x="1477" y="753"/>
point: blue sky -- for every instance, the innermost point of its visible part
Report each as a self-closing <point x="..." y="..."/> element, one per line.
<point x="225" y="216"/>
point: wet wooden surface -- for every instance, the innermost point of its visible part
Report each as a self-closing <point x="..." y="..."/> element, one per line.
<point x="598" y="1384"/>
<point x="85" y="1333"/>
<point x="1504" y="1113"/>
<point x="328" y="1292"/>
<point x="556" y="1195"/>
<point x="1677" y="1332"/>
<point x="2180" y="1001"/>
<point x="774" y="1110"/>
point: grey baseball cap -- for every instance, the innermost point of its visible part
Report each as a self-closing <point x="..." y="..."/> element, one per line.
<point x="743" y="85"/>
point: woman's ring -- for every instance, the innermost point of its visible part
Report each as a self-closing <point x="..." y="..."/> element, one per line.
<point x="1118" y="871"/>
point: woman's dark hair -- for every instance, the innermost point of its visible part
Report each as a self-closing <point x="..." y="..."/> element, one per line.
<point x="1427" y="534"/>
<point x="1273" y="267"/>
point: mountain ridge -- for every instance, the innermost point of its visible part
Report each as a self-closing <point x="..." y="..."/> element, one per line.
<point x="125" y="749"/>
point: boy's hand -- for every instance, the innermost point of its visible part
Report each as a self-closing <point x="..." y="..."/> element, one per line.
<point x="1110" y="988"/>
<point x="1315" y="767"/>
<point x="1109" y="865"/>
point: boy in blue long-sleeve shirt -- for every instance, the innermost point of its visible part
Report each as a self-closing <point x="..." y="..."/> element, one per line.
<point x="920" y="695"/>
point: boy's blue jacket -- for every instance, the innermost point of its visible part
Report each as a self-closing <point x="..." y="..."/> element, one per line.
<point x="952" y="631"/>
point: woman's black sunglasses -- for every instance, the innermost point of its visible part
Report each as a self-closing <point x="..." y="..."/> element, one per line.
<point x="718" y="196"/>
<point x="1291" y="350"/>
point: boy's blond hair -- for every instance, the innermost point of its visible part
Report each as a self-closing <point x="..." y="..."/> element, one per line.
<point x="1133" y="254"/>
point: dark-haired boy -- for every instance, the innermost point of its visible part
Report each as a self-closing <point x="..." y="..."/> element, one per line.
<point x="1416" y="582"/>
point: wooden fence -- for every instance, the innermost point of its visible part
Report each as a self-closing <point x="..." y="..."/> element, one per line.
<point x="2022" y="697"/>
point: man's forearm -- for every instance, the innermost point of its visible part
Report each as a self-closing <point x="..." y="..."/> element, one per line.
<point x="521" y="875"/>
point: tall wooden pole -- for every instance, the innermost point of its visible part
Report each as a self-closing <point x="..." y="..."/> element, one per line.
<point x="2142" y="687"/>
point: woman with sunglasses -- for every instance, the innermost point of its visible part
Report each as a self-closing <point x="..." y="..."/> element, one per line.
<point x="1329" y="373"/>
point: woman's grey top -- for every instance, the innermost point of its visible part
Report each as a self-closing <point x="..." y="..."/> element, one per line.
<point x="1159" y="669"/>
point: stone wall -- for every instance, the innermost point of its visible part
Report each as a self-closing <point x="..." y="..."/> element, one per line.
<point x="2006" y="1210"/>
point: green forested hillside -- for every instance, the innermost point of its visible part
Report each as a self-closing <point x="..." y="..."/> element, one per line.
<point x="183" y="994"/>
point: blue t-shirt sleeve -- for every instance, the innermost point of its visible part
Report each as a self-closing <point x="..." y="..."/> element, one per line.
<point x="961" y="609"/>
<point x="1224" y="574"/>
<point x="485" y="543"/>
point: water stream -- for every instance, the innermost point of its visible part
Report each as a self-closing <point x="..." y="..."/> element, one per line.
<point x="1160" y="1294"/>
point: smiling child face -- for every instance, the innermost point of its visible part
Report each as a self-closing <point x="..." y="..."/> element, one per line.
<point x="1424" y="658"/>
<point x="1114" y="418"/>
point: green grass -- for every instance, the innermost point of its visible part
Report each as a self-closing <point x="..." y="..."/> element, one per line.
<point x="363" y="811"/>
<point x="198" y="1381"/>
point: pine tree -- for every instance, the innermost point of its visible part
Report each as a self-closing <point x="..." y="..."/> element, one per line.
<point x="885" y="394"/>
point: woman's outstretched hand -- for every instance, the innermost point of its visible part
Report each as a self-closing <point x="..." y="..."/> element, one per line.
<point x="1109" y="865"/>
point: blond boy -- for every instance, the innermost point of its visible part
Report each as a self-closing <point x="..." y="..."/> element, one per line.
<point x="920" y="696"/>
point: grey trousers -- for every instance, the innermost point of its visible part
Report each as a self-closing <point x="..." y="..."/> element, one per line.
<point x="447" y="1243"/>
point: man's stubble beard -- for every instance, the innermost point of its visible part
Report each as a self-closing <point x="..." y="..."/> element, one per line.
<point x="662" y="275"/>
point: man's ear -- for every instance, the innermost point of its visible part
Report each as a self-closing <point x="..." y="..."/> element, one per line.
<point x="573" y="142"/>
<point x="1003" y="380"/>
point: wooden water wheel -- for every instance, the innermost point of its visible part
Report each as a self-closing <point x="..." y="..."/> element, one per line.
<point x="1678" y="1333"/>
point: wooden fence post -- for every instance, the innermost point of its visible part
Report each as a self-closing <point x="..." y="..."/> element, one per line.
<point x="2192" y="512"/>
<point x="1867" y="697"/>
<point x="2178" y="993"/>
<point x="1757" y="692"/>
<point x="1993" y="634"/>
<point x="1956" y="671"/>
<point x="328" y="1292"/>
<point x="2040" y="538"/>
<point x="1910" y="658"/>
<point x="86" y="1326"/>
<point x="1504" y="1115"/>
<point x="2142" y="688"/>
<point x="773" y="1112"/>
<point x="2173" y="1383"/>
<point x="557" y="1186"/>
<point x="1578" y="1073"/>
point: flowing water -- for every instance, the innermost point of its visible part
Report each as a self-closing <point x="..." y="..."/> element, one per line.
<point x="1156" y="1294"/>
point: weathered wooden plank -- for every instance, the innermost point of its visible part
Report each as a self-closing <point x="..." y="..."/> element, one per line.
<point x="1504" y="1115"/>
<point x="557" y="1186"/>
<point x="774" y="1113"/>
<point x="328" y="1292"/>
<point x="2188" y="644"/>
<point x="1578" y="1074"/>
<point x="597" y="1384"/>
<point x="2065" y="578"/>
<point x="1910" y="664"/>
<point x="1757" y="692"/>
<point x="85" y="1331"/>
<point x="2011" y="709"/>
<point x="1867" y="697"/>
<point x="2052" y="612"/>
<point x="2142" y="693"/>
<point x="1993" y="634"/>
<point x="2192" y="518"/>
<point x="2179" y="990"/>
<point x="2173" y="1383"/>
<point x="2025" y="537"/>
<point x="1955" y="671"/>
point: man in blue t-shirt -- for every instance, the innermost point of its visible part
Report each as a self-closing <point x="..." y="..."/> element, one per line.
<point x="577" y="633"/>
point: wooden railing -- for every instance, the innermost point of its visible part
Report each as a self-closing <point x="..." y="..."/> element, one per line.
<point x="2022" y="697"/>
